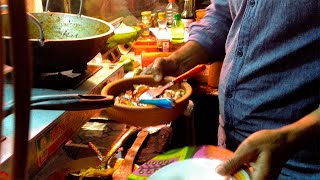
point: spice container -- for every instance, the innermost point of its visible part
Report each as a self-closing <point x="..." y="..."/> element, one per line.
<point x="148" y="44"/>
<point x="148" y="57"/>
<point x="146" y="22"/>
<point x="163" y="35"/>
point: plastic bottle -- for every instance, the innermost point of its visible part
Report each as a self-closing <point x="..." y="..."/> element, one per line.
<point x="177" y="29"/>
<point x="171" y="9"/>
<point x="163" y="35"/>
<point x="187" y="15"/>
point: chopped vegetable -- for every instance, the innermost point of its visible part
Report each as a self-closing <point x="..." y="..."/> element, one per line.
<point x="137" y="71"/>
<point x="131" y="97"/>
<point x="129" y="63"/>
<point x="124" y="34"/>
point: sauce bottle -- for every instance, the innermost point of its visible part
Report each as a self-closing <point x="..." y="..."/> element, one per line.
<point x="177" y="29"/>
<point x="187" y="15"/>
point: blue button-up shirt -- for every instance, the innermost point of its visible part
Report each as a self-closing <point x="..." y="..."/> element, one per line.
<point x="271" y="71"/>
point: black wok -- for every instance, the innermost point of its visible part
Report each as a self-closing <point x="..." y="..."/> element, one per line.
<point x="69" y="42"/>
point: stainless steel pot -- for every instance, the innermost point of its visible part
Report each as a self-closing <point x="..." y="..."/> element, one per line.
<point x="69" y="42"/>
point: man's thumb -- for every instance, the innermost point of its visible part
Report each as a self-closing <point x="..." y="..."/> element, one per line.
<point x="227" y="167"/>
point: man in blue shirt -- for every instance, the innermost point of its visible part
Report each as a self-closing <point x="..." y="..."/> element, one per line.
<point x="269" y="84"/>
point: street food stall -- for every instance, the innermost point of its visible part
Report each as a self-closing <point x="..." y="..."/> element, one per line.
<point x="79" y="62"/>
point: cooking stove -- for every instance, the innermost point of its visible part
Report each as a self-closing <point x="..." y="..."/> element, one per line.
<point x="65" y="80"/>
<point x="62" y="80"/>
<point x="51" y="129"/>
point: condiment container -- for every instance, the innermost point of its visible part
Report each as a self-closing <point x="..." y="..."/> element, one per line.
<point x="148" y="57"/>
<point x="146" y="22"/>
<point x="163" y="35"/>
<point x="145" y="44"/>
<point x="214" y="74"/>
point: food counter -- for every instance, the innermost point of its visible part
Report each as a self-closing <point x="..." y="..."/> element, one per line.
<point x="51" y="129"/>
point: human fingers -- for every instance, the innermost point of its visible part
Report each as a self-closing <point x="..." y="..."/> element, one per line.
<point x="244" y="154"/>
<point x="266" y="166"/>
<point x="156" y="69"/>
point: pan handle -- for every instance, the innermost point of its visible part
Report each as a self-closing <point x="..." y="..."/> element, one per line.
<point x="67" y="102"/>
<point x="34" y="20"/>
<point x="39" y="26"/>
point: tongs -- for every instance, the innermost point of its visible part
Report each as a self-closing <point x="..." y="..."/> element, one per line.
<point x="68" y="102"/>
<point x="75" y="102"/>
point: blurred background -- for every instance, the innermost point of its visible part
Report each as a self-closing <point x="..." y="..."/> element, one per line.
<point x="112" y="9"/>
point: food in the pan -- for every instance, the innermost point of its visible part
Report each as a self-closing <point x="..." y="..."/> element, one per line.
<point x="131" y="97"/>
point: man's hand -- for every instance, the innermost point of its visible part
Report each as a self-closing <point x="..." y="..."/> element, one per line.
<point x="265" y="151"/>
<point x="180" y="61"/>
<point x="161" y="67"/>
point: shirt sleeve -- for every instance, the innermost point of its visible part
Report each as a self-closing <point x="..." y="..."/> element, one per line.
<point x="211" y="32"/>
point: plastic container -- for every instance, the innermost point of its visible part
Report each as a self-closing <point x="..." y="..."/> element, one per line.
<point x="148" y="57"/>
<point x="214" y="74"/>
<point x="148" y="45"/>
<point x="171" y="9"/>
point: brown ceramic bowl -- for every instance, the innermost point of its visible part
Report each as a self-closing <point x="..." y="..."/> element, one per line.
<point x="144" y="116"/>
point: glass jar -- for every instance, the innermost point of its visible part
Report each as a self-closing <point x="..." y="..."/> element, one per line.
<point x="163" y="35"/>
<point x="146" y="22"/>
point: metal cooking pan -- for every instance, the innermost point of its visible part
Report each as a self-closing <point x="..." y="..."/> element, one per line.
<point x="69" y="41"/>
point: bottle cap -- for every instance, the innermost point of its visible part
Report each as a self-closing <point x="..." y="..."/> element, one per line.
<point x="161" y="15"/>
<point x="171" y="0"/>
<point x="146" y="13"/>
<point x="177" y="16"/>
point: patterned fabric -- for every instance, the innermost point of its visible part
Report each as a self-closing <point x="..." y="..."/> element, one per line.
<point x="151" y="166"/>
<point x="271" y="71"/>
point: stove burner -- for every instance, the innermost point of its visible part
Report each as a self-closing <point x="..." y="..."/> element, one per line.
<point x="65" y="80"/>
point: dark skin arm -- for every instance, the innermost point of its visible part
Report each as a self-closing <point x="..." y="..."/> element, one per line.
<point x="267" y="151"/>
<point x="180" y="61"/>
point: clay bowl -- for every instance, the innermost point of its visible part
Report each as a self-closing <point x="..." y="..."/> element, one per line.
<point x="144" y="116"/>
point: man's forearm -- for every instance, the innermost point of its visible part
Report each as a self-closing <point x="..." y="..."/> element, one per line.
<point x="190" y="54"/>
